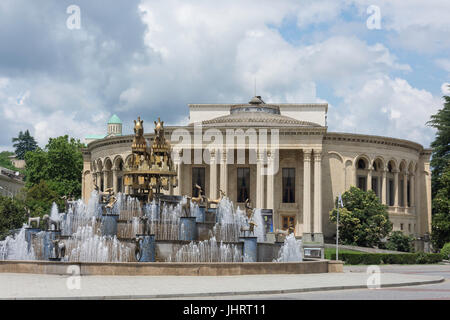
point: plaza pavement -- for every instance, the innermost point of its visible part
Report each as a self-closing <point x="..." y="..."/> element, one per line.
<point x="33" y="286"/>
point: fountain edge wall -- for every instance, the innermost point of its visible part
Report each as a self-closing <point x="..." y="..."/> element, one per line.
<point x="172" y="268"/>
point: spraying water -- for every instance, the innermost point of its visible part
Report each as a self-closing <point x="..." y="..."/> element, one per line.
<point x="291" y="251"/>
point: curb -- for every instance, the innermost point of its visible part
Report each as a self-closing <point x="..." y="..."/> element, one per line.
<point x="230" y="293"/>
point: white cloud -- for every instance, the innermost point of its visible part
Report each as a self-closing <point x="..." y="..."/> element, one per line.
<point x="387" y="107"/>
<point x="443" y="63"/>
<point x="419" y="25"/>
<point x="198" y="52"/>
<point x="445" y="88"/>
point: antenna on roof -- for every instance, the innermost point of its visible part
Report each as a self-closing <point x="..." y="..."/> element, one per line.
<point x="255" y="88"/>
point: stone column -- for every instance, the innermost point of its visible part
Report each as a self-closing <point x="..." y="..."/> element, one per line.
<point x="213" y="175"/>
<point x="369" y="179"/>
<point x="306" y="191"/>
<point x="180" y="178"/>
<point x="115" y="185"/>
<point x="396" y="193"/>
<point x="105" y="180"/>
<point x="405" y="190"/>
<point x="412" y="190"/>
<point x="383" y="187"/>
<point x="224" y="172"/>
<point x="177" y="164"/>
<point x="270" y="183"/>
<point x="94" y="179"/>
<point x="317" y="191"/>
<point x="259" y="180"/>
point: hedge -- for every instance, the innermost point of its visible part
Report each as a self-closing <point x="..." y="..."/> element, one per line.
<point x="388" y="258"/>
<point x="446" y="251"/>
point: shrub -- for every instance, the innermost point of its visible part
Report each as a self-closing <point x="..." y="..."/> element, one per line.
<point x="445" y="251"/>
<point x="388" y="258"/>
<point x="398" y="241"/>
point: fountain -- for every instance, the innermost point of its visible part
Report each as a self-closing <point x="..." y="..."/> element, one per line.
<point x="145" y="225"/>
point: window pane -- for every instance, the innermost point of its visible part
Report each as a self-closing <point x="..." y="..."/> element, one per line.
<point x="375" y="185"/>
<point x="391" y="192"/>
<point x="400" y="193"/>
<point x="243" y="184"/>
<point x="198" y="177"/>
<point x="288" y="185"/>
<point x="362" y="183"/>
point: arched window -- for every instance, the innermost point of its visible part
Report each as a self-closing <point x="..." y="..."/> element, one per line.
<point x="361" y="164"/>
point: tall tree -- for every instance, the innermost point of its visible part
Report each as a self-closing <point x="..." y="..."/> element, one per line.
<point x="440" y="176"/>
<point x="440" y="232"/>
<point x="441" y="144"/>
<point x="60" y="164"/>
<point x="24" y="143"/>
<point x="363" y="221"/>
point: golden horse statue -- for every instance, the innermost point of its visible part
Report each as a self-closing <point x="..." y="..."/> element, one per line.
<point x="139" y="145"/>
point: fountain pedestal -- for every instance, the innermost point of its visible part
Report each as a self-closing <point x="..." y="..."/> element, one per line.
<point x="211" y="215"/>
<point x="146" y="248"/>
<point x="29" y="232"/>
<point x="109" y="224"/>
<point x="48" y="245"/>
<point x="250" y="248"/>
<point x="201" y="213"/>
<point x="187" y="229"/>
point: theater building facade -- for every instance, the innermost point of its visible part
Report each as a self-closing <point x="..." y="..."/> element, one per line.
<point x="313" y="165"/>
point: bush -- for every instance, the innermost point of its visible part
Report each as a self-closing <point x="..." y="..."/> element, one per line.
<point x="398" y="241"/>
<point x="445" y="251"/>
<point x="388" y="258"/>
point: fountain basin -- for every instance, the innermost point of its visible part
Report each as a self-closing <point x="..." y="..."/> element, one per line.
<point x="172" y="268"/>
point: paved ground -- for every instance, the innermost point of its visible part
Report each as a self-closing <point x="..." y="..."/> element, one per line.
<point x="438" y="291"/>
<point x="29" y="286"/>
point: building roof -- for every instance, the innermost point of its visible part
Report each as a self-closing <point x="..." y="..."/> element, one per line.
<point x="95" y="136"/>
<point x="114" y="120"/>
<point x="257" y="119"/>
<point x="257" y="114"/>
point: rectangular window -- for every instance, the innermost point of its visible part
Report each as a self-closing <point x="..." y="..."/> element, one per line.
<point x="288" y="222"/>
<point x="119" y="184"/>
<point x="408" y="193"/>
<point x="198" y="177"/>
<point x="375" y="186"/>
<point x="362" y="184"/>
<point x="391" y="192"/>
<point x="401" y="195"/>
<point x="288" y="185"/>
<point x="243" y="184"/>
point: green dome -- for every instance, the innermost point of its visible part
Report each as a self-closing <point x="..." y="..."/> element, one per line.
<point x="114" y="120"/>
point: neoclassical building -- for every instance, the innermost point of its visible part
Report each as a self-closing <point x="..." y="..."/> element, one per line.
<point x="314" y="166"/>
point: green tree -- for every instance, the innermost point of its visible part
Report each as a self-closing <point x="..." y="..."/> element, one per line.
<point x="441" y="145"/>
<point x="363" y="221"/>
<point x="12" y="215"/>
<point x="440" y="227"/>
<point x="398" y="241"/>
<point x="24" y="143"/>
<point x="40" y="197"/>
<point x="60" y="164"/>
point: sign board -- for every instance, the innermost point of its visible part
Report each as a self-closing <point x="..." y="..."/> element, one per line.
<point x="267" y="216"/>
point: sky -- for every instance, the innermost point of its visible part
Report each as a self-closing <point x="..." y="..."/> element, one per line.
<point x="382" y="66"/>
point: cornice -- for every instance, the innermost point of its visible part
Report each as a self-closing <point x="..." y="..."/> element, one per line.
<point x="371" y="139"/>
